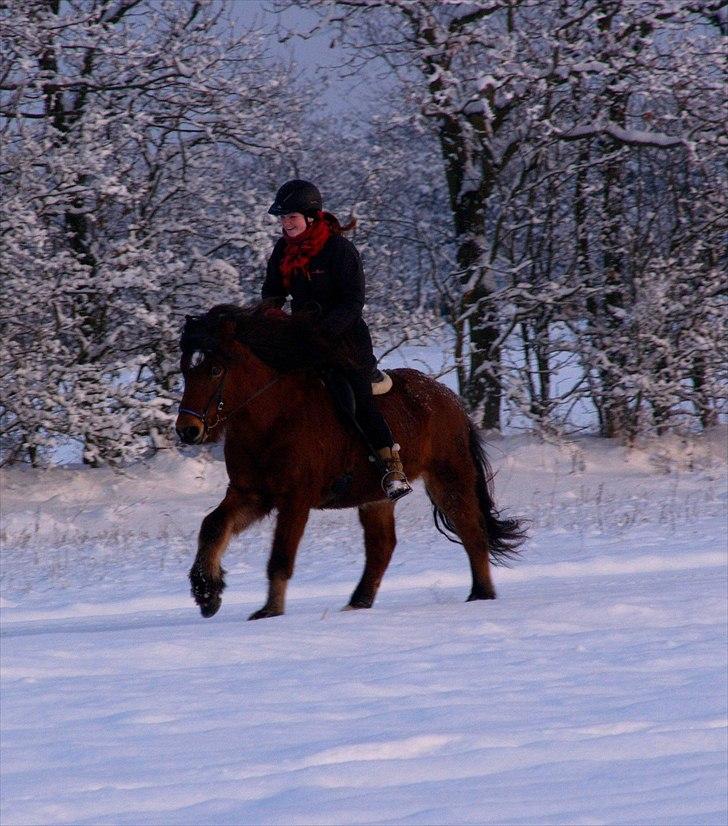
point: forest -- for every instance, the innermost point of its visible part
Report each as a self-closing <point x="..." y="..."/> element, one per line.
<point x="541" y="188"/>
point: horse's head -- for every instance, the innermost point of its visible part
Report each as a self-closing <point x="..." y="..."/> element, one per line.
<point x="209" y="351"/>
<point x="231" y="355"/>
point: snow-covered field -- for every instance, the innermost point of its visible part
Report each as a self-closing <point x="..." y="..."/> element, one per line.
<point x="593" y="690"/>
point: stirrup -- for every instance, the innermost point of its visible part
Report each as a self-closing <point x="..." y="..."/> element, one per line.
<point x="395" y="485"/>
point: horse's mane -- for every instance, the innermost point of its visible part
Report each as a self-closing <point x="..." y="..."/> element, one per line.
<point x="288" y="345"/>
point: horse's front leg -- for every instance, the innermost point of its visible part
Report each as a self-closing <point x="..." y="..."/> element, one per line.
<point x="236" y="511"/>
<point x="289" y="530"/>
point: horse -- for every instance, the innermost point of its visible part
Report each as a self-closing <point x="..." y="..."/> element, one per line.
<point x="288" y="448"/>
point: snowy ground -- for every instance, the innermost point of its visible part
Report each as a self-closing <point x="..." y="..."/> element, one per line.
<point x="592" y="691"/>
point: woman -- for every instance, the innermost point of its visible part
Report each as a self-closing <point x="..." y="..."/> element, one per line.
<point x="317" y="267"/>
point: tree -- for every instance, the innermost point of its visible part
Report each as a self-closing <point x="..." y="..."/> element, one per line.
<point x="648" y="117"/>
<point x="545" y="113"/>
<point x="120" y="120"/>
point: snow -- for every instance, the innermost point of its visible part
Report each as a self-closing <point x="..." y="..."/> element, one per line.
<point x="592" y="691"/>
<point x="636" y="137"/>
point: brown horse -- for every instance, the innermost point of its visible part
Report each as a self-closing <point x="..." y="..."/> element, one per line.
<point x="288" y="448"/>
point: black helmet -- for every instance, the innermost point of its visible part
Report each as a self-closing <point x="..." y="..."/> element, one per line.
<point x="297" y="196"/>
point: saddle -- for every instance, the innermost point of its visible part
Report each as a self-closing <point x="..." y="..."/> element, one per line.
<point x="342" y="394"/>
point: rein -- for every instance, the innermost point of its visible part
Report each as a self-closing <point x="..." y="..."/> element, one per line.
<point x="220" y="406"/>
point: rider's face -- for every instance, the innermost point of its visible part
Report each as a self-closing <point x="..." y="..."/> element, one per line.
<point x="293" y="224"/>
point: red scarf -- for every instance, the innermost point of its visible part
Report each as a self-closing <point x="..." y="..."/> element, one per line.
<point x="300" y="250"/>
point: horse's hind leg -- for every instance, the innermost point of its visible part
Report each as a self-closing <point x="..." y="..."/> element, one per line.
<point x="232" y="515"/>
<point x="455" y="496"/>
<point x="377" y="520"/>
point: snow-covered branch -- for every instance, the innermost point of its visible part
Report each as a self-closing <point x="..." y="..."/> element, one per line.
<point x="631" y="137"/>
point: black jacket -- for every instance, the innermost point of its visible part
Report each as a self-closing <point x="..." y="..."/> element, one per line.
<point x="336" y="286"/>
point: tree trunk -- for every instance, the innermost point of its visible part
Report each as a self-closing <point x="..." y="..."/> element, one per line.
<point x="482" y="390"/>
<point x="706" y="412"/>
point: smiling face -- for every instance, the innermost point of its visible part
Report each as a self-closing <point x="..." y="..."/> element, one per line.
<point x="293" y="224"/>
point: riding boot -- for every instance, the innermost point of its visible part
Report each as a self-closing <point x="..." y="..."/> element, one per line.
<point x="394" y="481"/>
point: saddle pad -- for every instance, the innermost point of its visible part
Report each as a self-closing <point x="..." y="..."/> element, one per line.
<point x="379" y="388"/>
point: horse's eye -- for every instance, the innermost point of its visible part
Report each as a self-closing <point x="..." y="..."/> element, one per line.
<point x="216" y="371"/>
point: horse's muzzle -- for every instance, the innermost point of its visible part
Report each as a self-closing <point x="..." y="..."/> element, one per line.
<point x="190" y="434"/>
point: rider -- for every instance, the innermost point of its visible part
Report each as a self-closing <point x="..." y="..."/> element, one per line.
<point x="314" y="264"/>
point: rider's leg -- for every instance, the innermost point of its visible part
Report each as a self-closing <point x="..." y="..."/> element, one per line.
<point x="371" y="421"/>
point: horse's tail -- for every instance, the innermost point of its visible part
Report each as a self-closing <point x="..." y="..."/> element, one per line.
<point x="504" y="534"/>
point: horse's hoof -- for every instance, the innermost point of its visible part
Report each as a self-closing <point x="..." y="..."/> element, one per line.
<point x="206" y="592"/>
<point x="264" y="613"/>
<point x="210" y="607"/>
<point x="356" y="606"/>
<point x="480" y="594"/>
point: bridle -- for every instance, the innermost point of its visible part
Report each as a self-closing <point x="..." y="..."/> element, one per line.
<point x="219" y="406"/>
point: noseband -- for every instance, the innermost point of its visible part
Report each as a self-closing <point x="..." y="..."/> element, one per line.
<point x="220" y="404"/>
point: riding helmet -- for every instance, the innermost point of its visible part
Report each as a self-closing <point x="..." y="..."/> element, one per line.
<point x="297" y="196"/>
